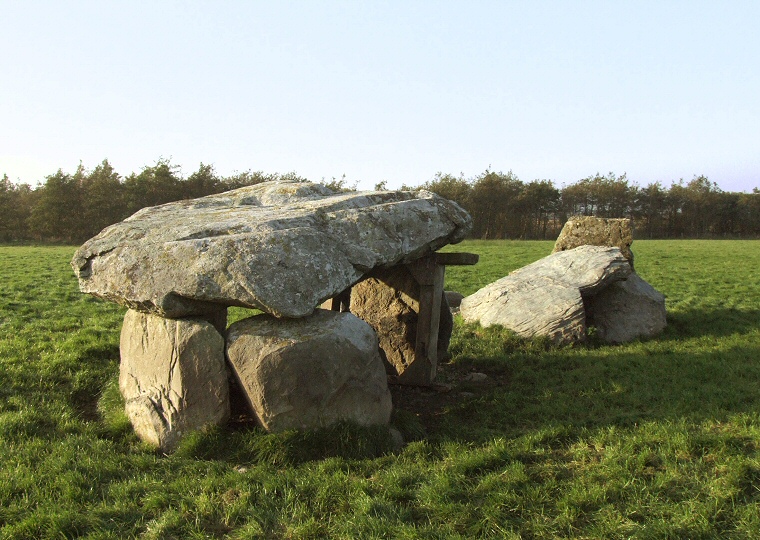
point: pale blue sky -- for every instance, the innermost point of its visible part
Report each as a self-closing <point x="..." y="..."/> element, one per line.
<point x="394" y="90"/>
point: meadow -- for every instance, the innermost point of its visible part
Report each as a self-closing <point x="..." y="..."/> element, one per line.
<point x="652" y="439"/>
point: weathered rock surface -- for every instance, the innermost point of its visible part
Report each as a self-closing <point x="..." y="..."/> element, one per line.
<point x="282" y="247"/>
<point x="172" y="376"/>
<point x="594" y="231"/>
<point x="389" y="301"/>
<point x="629" y="309"/>
<point x="546" y="298"/>
<point x="310" y="372"/>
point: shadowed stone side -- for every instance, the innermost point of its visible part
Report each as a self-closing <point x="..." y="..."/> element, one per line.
<point x="628" y="310"/>
<point x="389" y="301"/>
<point x="454" y="300"/>
<point x="310" y="372"/>
<point x="172" y="376"/>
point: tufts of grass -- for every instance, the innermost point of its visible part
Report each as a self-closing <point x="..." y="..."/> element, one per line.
<point x="252" y="446"/>
<point x="652" y="439"/>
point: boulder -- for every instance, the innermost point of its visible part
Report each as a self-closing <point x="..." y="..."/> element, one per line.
<point x="594" y="231"/>
<point x="389" y="300"/>
<point x="310" y="372"/>
<point x="282" y="247"/>
<point x="627" y="310"/>
<point x="173" y="377"/>
<point x="531" y="307"/>
<point x="454" y="300"/>
<point x="546" y="298"/>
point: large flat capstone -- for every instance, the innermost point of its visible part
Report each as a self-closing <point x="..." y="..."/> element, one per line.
<point x="282" y="247"/>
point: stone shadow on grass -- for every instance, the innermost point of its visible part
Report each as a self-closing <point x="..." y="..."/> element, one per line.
<point x="520" y="387"/>
<point x="247" y="444"/>
<point x="624" y="390"/>
<point x="88" y="382"/>
<point x="715" y="323"/>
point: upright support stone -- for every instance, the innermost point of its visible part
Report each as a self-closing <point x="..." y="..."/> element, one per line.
<point x="389" y="302"/>
<point x="310" y="372"/>
<point x="172" y="376"/>
<point x="628" y="310"/>
<point x="404" y="304"/>
<point x="429" y="276"/>
<point x="596" y="231"/>
<point x="407" y="307"/>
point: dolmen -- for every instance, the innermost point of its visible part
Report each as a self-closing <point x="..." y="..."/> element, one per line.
<point x="587" y="281"/>
<point x="283" y="248"/>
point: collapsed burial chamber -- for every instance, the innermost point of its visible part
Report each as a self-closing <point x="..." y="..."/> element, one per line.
<point x="587" y="281"/>
<point x="286" y="248"/>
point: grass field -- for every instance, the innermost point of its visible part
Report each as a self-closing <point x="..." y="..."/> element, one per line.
<point x="654" y="439"/>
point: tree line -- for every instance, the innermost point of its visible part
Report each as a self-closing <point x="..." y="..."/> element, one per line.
<point x="70" y="208"/>
<point x="503" y="206"/>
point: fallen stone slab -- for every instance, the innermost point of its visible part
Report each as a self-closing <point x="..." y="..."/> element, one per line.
<point x="172" y="376"/>
<point x="282" y="247"/>
<point x="530" y="308"/>
<point x="628" y="310"/>
<point x="595" y="231"/>
<point x="310" y="372"/>
<point x="546" y="298"/>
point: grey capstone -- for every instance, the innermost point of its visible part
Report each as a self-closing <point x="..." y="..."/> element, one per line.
<point x="282" y="247"/>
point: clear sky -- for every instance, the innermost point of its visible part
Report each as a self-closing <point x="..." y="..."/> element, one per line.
<point x="385" y="90"/>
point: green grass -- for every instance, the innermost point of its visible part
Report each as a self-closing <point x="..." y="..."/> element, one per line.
<point x="653" y="439"/>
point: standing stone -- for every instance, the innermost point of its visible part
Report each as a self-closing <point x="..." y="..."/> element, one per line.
<point x="445" y="329"/>
<point x="629" y="309"/>
<point x="594" y="231"/>
<point x="546" y="298"/>
<point x="310" y="372"/>
<point x="172" y="376"/>
<point x="390" y="302"/>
